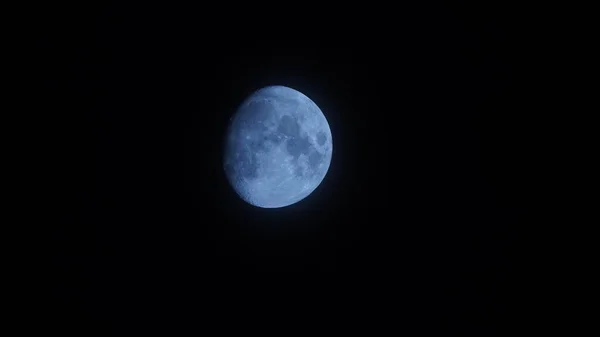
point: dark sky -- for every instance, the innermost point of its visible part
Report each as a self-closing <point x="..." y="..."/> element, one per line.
<point x="417" y="228"/>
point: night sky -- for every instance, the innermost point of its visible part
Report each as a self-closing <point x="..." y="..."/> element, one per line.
<point x="418" y="227"/>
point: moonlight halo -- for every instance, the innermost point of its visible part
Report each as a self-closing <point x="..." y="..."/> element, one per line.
<point x="278" y="147"/>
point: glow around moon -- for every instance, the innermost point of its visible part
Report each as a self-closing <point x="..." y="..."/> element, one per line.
<point x="278" y="147"/>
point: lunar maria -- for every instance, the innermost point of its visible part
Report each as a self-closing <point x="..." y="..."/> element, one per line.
<point x="278" y="147"/>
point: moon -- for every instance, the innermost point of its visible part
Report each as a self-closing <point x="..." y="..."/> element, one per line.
<point x="278" y="147"/>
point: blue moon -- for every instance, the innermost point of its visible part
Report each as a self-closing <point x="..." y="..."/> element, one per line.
<point x="278" y="147"/>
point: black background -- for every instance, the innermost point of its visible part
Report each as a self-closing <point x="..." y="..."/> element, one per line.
<point x="418" y="227"/>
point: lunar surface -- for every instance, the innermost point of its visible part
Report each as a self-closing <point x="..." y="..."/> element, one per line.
<point x="278" y="147"/>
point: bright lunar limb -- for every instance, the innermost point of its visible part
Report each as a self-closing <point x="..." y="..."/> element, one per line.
<point x="278" y="147"/>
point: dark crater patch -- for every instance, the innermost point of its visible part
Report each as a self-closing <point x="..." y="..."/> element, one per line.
<point x="296" y="145"/>
<point x="314" y="159"/>
<point x="321" y="138"/>
<point x="289" y="126"/>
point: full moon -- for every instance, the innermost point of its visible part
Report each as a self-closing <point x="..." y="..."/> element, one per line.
<point x="278" y="147"/>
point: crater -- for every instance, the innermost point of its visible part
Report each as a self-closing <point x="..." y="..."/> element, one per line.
<point x="289" y="126"/>
<point x="314" y="159"/>
<point x="321" y="138"/>
<point x="296" y="145"/>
